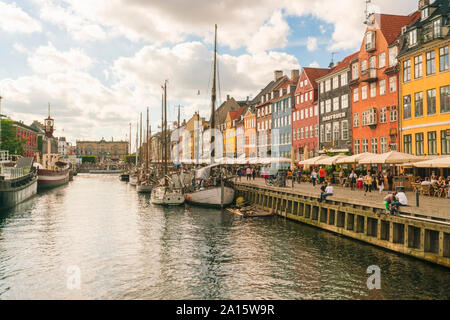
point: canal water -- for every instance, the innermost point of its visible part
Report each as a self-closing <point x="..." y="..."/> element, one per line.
<point x="96" y="238"/>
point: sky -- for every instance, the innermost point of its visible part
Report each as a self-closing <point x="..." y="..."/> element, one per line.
<point x="100" y="63"/>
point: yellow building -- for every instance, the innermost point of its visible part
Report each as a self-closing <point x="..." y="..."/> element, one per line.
<point x="229" y="138"/>
<point x="425" y="82"/>
<point x="193" y="130"/>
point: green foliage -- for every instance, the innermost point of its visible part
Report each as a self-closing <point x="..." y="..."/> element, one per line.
<point x="10" y="141"/>
<point x="39" y="143"/>
<point x="88" y="159"/>
<point x="131" y="159"/>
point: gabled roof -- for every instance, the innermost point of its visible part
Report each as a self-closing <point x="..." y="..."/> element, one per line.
<point x="235" y="115"/>
<point x="442" y="8"/>
<point x="341" y="65"/>
<point x="315" y="73"/>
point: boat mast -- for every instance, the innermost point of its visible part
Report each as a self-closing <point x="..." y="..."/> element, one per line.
<point x="146" y="149"/>
<point x="213" y="100"/>
<point x="140" y="140"/>
<point x="165" y="133"/>
<point x="137" y="135"/>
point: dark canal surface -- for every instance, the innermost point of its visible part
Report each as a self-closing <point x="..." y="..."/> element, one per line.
<point x="96" y="238"/>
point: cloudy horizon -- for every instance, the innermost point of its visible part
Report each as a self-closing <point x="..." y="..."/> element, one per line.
<point x="100" y="63"/>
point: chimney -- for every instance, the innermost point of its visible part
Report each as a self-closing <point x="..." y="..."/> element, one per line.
<point x="228" y="97"/>
<point x="295" y="74"/>
<point x="247" y="98"/>
<point x="278" y="74"/>
<point x="423" y="3"/>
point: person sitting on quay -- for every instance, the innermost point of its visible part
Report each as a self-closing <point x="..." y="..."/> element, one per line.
<point x="388" y="200"/>
<point x="400" y="200"/>
<point x="327" y="192"/>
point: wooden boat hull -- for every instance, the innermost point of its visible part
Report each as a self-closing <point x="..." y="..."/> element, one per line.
<point x="211" y="197"/>
<point x="51" y="179"/>
<point x="165" y="197"/>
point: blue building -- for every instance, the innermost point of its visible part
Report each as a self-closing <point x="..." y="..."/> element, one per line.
<point x="282" y="121"/>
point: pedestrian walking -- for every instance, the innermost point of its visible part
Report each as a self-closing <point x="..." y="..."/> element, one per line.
<point x="352" y="178"/>
<point x="321" y="175"/>
<point x="314" y="177"/>
<point x="390" y="178"/>
<point x="249" y="173"/>
<point x="380" y="182"/>
<point x="254" y="173"/>
<point x="299" y="175"/>
<point x="368" y="183"/>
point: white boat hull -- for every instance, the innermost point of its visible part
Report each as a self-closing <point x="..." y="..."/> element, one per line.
<point x="167" y="197"/>
<point x="211" y="197"/>
<point x="133" y="181"/>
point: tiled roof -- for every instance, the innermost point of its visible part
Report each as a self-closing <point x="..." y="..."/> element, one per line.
<point x="345" y="62"/>
<point x="391" y="25"/>
<point x="315" y="73"/>
<point x="234" y="115"/>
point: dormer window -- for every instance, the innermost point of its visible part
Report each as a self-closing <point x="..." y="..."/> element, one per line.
<point x="437" y="28"/>
<point x="425" y="13"/>
<point x="370" y="41"/>
<point x="413" y="37"/>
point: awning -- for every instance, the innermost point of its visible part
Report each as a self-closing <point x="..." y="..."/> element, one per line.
<point x="393" y="157"/>
<point x="312" y="161"/>
<point x="441" y="162"/>
<point x="330" y="160"/>
<point x="354" y="158"/>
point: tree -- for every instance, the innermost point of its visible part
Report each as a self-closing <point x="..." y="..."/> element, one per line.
<point x="10" y="141"/>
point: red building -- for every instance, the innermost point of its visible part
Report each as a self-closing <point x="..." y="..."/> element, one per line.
<point x="305" y="115"/>
<point x="30" y="135"/>
<point x="375" y="87"/>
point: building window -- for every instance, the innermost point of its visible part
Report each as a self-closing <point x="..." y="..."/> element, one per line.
<point x="418" y="67"/>
<point x="365" y="145"/>
<point x="344" y="129"/>
<point x="356" y="120"/>
<point x="322" y="107"/>
<point x="310" y="95"/>
<point x="328" y="132"/>
<point x="316" y="110"/>
<point x="357" y="148"/>
<point x="328" y="85"/>
<point x="407" y="107"/>
<point x="418" y="104"/>
<point x="445" y="99"/>
<point x="419" y="144"/>
<point x="413" y="37"/>
<point x="382" y="60"/>
<point x="424" y="13"/>
<point x="322" y="133"/>
<point x="344" y="101"/>
<point x="373" y="89"/>
<point x="364" y="67"/>
<point x="432" y="150"/>
<point x="431" y="102"/>
<point x="406" y="70"/>
<point x="306" y="132"/>
<point x="336" y="82"/>
<point x="392" y="84"/>
<point x="383" y="145"/>
<point x="311" y="112"/>
<point x="302" y="114"/>
<point x="374" y="145"/>
<point x="355" y="95"/>
<point x="407" y="147"/>
<point x="328" y="106"/>
<point x="383" y="115"/>
<point x="343" y="79"/>
<point x="437" y="28"/>
<point x="364" y="93"/>
<point x="431" y="65"/>
<point x="321" y="87"/>
<point x="355" y="71"/>
<point x="445" y="143"/>
<point x="443" y="59"/>
<point x="302" y="134"/>
<point x="336" y="131"/>
<point x="392" y="56"/>
<point x="316" y="130"/>
<point x="382" y="87"/>
<point x="336" y="104"/>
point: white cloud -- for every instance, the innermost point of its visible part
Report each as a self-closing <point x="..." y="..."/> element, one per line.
<point x="271" y="35"/>
<point x="314" y="64"/>
<point x="14" y="20"/>
<point x="47" y="60"/>
<point x="311" y="44"/>
<point x="19" y="48"/>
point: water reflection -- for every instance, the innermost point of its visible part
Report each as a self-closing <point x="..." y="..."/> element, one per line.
<point x="127" y="248"/>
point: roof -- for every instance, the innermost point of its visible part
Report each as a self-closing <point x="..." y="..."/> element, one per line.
<point x="391" y="25"/>
<point x="315" y="73"/>
<point x="341" y="65"/>
<point x="442" y="8"/>
<point x="234" y="115"/>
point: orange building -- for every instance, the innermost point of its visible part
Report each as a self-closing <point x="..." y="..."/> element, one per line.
<point x="375" y="85"/>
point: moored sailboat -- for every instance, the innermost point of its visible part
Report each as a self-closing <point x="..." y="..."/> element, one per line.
<point x="215" y="193"/>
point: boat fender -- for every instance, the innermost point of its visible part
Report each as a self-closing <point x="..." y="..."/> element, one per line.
<point x="188" y="198"/>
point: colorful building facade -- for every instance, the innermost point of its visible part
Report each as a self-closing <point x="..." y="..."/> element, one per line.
<point x="425" y="82"/>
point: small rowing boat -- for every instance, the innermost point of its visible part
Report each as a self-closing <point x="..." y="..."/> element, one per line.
<point x="249" y="212"/>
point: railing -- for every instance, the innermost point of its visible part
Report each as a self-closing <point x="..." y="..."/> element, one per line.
<point x="12" y="173"/>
